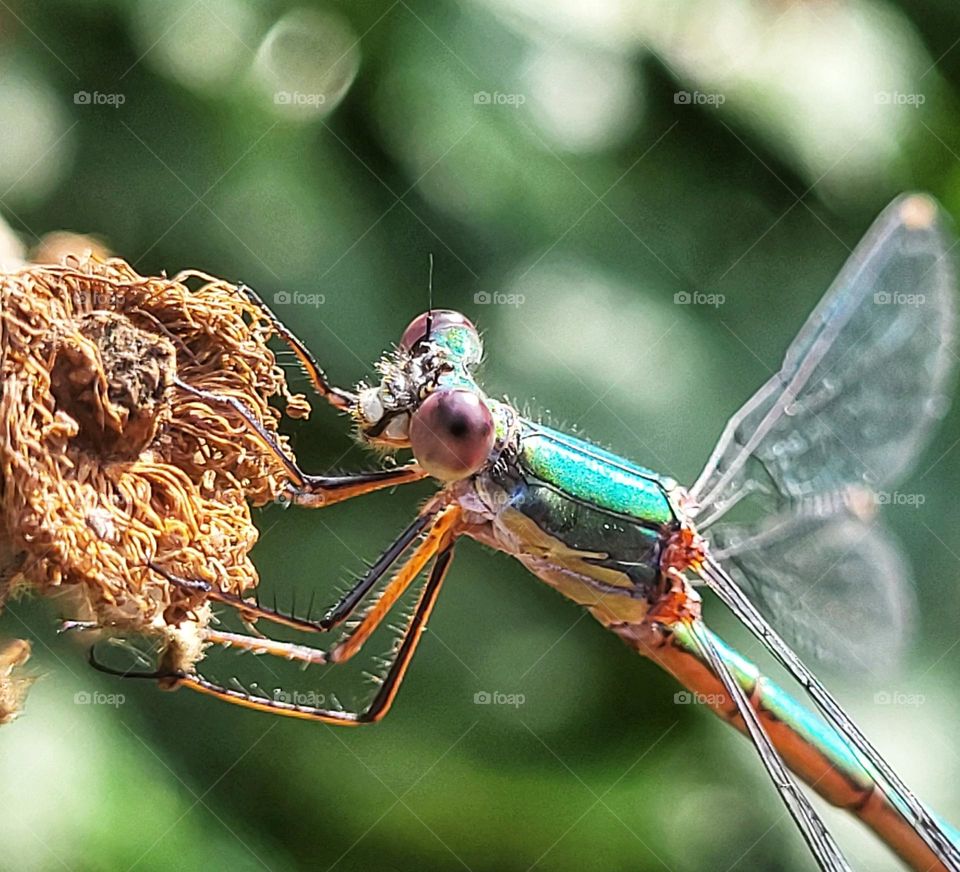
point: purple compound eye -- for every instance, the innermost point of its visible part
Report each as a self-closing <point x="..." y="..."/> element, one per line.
<point x="440" y="319"/>
<point x="451" y="434"/>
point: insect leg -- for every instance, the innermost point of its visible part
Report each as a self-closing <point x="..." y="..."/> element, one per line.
<point x="437" y="523"/>
<point x="337" y="397"/>
<point x="308" y="490"/>
<point x="438" y="539"/>
<point x="381" y="702"/>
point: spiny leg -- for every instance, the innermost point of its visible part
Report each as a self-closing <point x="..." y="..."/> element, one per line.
<point x="262" y="645"/>
<point x="319" y="491"/>
<point x="337" y="397"/>
<point x="388" y="689"/>
<point x="311" y="491"/>
<point x="438" y="538"/>
<point x="441" y="534"/>
<point x="381" y="702"/>
<point x="430" y="518"/>
<point x="323" y="490"/>
<point x="441" y="530"/>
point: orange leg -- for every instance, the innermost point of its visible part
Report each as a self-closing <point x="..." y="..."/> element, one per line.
<point x="308" y="490"/>
<point x="388" y="689"/>
<point x="337" y="397"/>
<point x="311" y="491"/>
<point x="436" y="546"/>
<point x="426" y="520"/>
<point x="374" y="712"/>
<point x="439" y="537"/>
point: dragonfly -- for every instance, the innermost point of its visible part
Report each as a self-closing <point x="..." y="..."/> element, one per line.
<point x="856" y="397"/>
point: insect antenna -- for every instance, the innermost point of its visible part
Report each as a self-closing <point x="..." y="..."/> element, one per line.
<point x="430" y="297"/>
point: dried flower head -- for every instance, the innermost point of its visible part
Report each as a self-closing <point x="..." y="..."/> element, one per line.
<point x="107" y="464"/>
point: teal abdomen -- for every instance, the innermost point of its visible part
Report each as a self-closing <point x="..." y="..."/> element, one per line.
<point x="590" y="475"/>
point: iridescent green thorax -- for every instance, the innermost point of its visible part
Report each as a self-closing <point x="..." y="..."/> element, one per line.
<point x="596" y="477"/>
<point x="586" y="522"/>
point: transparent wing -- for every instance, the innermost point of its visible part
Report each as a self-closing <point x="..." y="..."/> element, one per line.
<point x="834" y="586"/>
<point x="935" y="835"/>
<point x="861" y="384"/>
<point x="822" y="845"/>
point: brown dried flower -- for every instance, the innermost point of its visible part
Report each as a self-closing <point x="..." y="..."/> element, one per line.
<point x="108" y="464"/>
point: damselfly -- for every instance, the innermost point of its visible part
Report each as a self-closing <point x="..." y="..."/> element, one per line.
<point x="852" y="404"/>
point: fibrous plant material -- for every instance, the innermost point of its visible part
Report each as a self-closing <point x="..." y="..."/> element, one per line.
<point x="109" y="466"/>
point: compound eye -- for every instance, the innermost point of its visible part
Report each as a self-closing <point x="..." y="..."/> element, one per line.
<point x="452" y="434"/>
<point x="440" y="320"/>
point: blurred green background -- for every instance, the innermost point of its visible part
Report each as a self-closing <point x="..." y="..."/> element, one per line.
<point x="572" y="167"/>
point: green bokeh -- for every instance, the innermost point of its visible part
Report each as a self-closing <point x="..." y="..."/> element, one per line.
<point x="751" y="199"/>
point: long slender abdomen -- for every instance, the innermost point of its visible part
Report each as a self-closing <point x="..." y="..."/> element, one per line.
<point x="809" y="746"/>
